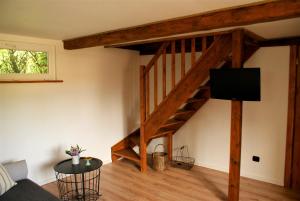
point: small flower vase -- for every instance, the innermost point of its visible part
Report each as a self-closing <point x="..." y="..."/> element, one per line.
<point x="75" y="160"/>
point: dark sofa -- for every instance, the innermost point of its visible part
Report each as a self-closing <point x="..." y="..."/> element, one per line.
<point x="25" y="190"/>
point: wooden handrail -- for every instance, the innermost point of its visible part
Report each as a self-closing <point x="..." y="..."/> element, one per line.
<point x="171" y="47"/>
<point x="156" y="56"/>
<point x="160" y="75"/>
<point x="198" y="73"/>
<point x="187" y="95"/>
<point x="146" y="78"/>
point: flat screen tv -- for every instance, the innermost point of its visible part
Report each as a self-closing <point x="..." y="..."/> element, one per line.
<point x="235" y="84"/>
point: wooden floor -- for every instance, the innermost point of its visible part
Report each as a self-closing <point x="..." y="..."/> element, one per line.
<point x="122" y="181"/>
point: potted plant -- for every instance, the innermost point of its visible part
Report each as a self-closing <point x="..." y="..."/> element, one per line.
<point x="74" y="152"/>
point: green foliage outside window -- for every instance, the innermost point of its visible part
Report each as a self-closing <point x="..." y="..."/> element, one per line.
<point x="23" y="62"/>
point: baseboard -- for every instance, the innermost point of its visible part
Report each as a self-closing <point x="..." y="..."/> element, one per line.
<point x="206" y="165"/>
<point x="262" y="178"/>
<point x="212" y="166"/>
<point x="249" y="175"/>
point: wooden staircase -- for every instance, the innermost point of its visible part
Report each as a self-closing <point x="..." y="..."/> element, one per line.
<point x="186" y="96"/>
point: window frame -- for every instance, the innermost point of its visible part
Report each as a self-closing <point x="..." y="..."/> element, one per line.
<point x="17" y="45"/>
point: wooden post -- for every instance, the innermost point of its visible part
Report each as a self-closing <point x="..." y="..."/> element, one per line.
<point x="296" y="148"/>
<point x="236" y="124"/>
<point x="291" y="118"/>
<point x="143" y="143"/>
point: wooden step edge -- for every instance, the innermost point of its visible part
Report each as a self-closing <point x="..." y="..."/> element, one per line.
<point x="203" y="93"/>
<point x="228" y="58"/>
<point x="172" y="123"/>
<point x="120" y="145"/>
<point x="204" y="87"/>
<point x="162" y="134"/>
<point x="124" y="142"/>
<point x="184" y="111"/>
<point x="194" y="100"/>
<point x="135" y="139"/>
<point x="129" y="154"/>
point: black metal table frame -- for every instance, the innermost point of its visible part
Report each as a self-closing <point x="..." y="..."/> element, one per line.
<point x="64" y="179"/>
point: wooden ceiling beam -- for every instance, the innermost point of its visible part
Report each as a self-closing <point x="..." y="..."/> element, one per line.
<point x="265" y="11"/>
<point x="251" y="39"/>
<point x="280" y="42"/>
<point x="160" y="40"/>
<point x="150" y="47"/>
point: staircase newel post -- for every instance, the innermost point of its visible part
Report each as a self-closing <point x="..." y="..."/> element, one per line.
<point x="143" y="143"/>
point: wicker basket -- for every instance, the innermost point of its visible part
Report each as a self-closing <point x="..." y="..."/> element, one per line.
<point x="182" y="159"/>
<point x="160" y="159"/>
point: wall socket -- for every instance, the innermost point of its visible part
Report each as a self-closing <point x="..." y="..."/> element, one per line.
<point x="256" y="158"/>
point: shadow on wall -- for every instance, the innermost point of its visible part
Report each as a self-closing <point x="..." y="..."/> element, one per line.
<point x="130" y="94"/>
<point x="57" y="154"/>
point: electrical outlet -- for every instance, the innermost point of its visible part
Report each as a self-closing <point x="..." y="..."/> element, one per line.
<point x="256" y="158"/>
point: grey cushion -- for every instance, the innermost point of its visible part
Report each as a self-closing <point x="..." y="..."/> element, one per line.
<point x="27" y="190"/>
<point x="17" y="170"/>
<point x="6" y="182"/>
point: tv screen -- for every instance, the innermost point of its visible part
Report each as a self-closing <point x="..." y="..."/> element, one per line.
<point x="235" y="84"/>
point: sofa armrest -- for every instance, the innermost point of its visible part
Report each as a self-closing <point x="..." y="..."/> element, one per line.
<point x="17" y="170"/>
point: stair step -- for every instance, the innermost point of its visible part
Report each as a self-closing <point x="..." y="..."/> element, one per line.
<point x="128" y="153"/>
<point x="135" y="139"/>
<point x="204" y="87"/>
<point x="228" y="58"/>
<point x="194" y="100"/>
<point x="172" y="122"/>
<point x="162" y="133"/>
<point x="184" y="111"/>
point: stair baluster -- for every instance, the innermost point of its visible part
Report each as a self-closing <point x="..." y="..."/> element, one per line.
<point x="182" y="58"/>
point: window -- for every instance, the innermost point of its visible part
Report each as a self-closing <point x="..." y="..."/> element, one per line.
<point x="26" y="61"/>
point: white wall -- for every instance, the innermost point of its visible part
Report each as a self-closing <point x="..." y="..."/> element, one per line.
<point x="264" y="128"/>
<point x="207" y="133"/>
<point x="95" y="107"/>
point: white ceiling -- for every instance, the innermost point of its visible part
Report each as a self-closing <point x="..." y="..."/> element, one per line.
<point x="64" y="19"/>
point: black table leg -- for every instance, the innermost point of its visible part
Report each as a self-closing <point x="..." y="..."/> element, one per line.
<point x="98" y="188"/>
<point x="76" y="185"/>
<point x="83" y="186"/>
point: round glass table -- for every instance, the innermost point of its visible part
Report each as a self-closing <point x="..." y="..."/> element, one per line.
<point x="78" y="182"/>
